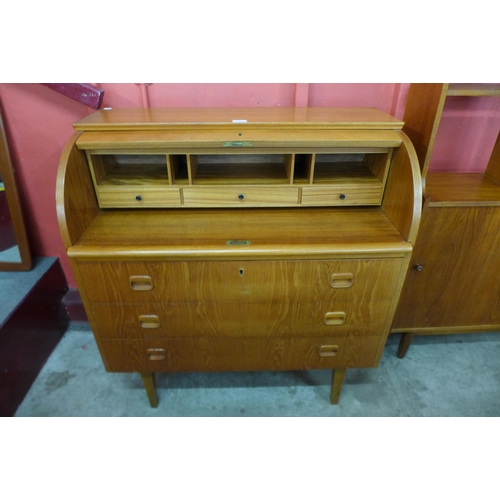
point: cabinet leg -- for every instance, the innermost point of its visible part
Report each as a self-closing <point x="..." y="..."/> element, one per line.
<point x="337" y="382"/>
<point x="148" y="379"/>
<point x="404" y="344"/>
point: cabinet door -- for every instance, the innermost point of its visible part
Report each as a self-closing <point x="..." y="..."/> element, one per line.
<point x="458" y="249"/>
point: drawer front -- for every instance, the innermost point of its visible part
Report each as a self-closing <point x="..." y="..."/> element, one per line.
<point x="212" y="320"/>
<point x="240" y="196"/>
<point x="345" y="194"/>
<point x="240" y="354"/>
<point x="240" y="282"/>
<point x="137" y="197"/>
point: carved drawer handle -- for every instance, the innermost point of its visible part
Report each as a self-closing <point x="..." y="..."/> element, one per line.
<point x="141" y="283"/>
<point x="342" y="280"/>
<point x="149" y="321"/>
<point x="156" y="354"/>
<point x="334" y="318"/>
<point x="328" y="350"/>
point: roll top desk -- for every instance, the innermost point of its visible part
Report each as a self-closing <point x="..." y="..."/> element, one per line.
<point x="239" y="239"/>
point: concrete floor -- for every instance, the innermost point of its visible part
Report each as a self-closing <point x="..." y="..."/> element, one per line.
<point x="453" y="375"/>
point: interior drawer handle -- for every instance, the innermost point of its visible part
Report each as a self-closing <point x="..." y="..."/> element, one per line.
<point x="334" y="318"/>
<point x="149" y="321"/>
<point x="141" y="283"/>
<point x="342" y="280"/>
<point x="156" y="354"/>
<point x="328" y="350"/>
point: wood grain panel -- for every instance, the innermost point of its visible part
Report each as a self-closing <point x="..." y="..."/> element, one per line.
<point x="231" y="354"/>
<point x="459" y="251"/>
<point x="421" y="127"/>
<point x="217" y="320"/>
<point x="212" y="141"/>
<point x="493" y="168"/>
<point x="461" y="189"/>
<point x="75" y="196"/>
<point x="403" y="192"/>
<point x="240" y="281"/>
<point x="203" y="233"/>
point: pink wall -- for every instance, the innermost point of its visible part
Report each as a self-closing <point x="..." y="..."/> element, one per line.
<point x="466" y="135"/>
<point x="39" y="122"/>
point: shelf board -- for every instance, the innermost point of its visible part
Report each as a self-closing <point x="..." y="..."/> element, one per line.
<point x="459" y="189"/>
<point x="343" y="173"/>
<point x="474" y="89"/>
<point x="138" y="174"/>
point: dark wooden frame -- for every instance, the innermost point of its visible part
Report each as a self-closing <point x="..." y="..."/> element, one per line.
<point x="14" y="205"/>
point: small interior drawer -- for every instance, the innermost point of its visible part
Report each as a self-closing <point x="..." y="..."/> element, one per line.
<point x="342" y="195"/>
<point x="239" y="196"/>
<point x="138" y="197"/>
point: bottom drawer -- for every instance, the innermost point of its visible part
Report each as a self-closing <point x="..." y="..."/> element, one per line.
<point x="240" y="354"/>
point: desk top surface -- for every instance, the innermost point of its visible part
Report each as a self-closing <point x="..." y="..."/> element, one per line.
<point x="289" y="118"/>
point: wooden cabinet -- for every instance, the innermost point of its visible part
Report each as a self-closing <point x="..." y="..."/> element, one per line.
<point x="277" y="242"/>
<point x="452" y="283"/>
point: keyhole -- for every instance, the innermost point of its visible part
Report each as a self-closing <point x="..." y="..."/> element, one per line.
<point x="242" y="271"/>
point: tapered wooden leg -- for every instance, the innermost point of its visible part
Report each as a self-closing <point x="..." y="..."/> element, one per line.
<point x="337" y="382"/>
<point x="404" y="344"/>
<point x="148" y="379"/>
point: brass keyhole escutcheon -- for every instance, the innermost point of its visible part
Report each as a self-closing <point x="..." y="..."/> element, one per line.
<point x="241" y="271"/>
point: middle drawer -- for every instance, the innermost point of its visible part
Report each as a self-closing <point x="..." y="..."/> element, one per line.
<point x="213" y="320"/>
<point x="240" y="281"/>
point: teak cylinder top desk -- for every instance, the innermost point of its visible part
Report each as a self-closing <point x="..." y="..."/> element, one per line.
<point x="239" y="239"/>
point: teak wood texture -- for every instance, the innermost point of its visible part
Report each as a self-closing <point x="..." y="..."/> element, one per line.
<point x="276" y="243"/>
<point x="451" y="284"/>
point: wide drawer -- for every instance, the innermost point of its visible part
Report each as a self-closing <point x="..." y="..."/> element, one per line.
<point x="244" y="282"/>
<point x="239" y="354"/>
<point x="237" y="196"/>
<point x="214" y="320"/>
<point x="138" y="197"/>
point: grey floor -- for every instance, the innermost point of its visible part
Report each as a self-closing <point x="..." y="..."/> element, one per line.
<point x="453" y="375"/>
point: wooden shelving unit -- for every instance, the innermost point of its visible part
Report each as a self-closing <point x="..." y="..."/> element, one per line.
<point x="449" y="286"/>
<point x="473" y="89"/>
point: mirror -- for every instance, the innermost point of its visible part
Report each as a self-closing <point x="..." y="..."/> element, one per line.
<point x="14" y="249"/>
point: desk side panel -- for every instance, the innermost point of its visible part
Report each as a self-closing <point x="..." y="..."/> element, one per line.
<point x="75" y="196"/>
